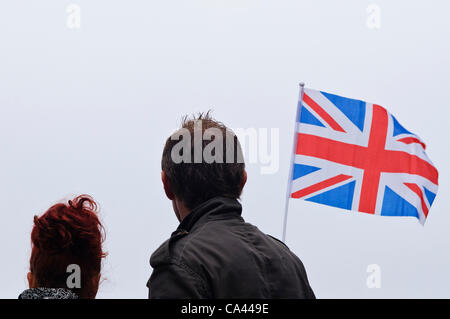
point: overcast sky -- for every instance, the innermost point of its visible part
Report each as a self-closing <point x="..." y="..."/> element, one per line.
<point x="87" y="110"/>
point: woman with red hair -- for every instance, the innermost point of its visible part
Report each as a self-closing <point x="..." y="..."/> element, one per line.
<point x="66" y="252"/>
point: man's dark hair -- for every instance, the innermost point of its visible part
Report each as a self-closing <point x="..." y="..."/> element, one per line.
<point x="194" y="183"/>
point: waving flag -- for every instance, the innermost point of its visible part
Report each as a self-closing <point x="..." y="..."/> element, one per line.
<point x="355" y="155"/>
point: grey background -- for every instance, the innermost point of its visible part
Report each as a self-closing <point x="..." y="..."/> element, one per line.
<point x="88" y="110"/>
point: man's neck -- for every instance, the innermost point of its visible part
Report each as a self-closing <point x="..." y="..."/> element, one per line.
<point x="180" y="210"/>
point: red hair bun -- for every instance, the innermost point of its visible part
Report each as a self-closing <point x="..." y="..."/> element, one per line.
<point x="67" y="234"/>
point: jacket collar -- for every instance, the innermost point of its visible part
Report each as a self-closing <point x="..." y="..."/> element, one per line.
<point x="214" y="209"/>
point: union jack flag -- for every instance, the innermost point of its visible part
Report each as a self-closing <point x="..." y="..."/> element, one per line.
<point x="355" y="155"/>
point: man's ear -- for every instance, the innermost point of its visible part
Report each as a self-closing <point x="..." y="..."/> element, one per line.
<point x="244" y="180"/>
<point x="167" y="187"/>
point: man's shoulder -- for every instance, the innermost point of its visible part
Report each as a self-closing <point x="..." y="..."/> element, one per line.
<point x="169" y="251"/>
<point x="214" y="239"/>
<point x="278" y="242"/>
<point x="160" y="255"/>
<point x="189" y="247"/>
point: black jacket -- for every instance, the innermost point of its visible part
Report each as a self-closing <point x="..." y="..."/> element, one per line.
<point x="214" y="253"/>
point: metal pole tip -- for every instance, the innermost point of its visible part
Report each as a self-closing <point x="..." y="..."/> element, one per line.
<point x="302" y="84"/>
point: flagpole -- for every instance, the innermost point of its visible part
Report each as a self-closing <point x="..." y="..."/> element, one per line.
<point x="291" y="166"/>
